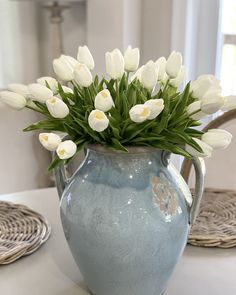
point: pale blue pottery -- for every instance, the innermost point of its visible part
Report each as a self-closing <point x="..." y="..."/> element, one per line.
<point x="126" y="219"/>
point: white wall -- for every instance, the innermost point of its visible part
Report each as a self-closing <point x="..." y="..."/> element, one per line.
<point x="156" y="29"/>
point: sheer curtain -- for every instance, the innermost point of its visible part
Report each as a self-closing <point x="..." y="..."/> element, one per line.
<point x="23" y="161"/>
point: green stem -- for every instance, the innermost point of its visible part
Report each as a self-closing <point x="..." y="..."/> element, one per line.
<point x="94" y="88"/>
<point x="34" y="109"/>
<point x="166" y="85"/>
<point x="117" y="90"/>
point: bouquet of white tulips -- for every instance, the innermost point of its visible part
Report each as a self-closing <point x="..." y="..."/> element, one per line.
<point x="134" y="107"/>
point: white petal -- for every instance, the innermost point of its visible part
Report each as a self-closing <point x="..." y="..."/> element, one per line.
<point x="57" y="108"/>
<point x="14" y="100"/>
<point x="39" y="92"/>
<point x="66" y="149"/>
<point x="50" y="141"/>
<point x="98" y="121"/>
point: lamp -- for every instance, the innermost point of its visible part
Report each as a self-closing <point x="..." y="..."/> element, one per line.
<point x="56" y="9"/>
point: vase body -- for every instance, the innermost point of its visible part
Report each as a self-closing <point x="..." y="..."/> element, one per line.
<point x="126" y="220"/>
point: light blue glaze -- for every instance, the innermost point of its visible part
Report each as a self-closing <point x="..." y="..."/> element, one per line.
<point x="125" y="218"/>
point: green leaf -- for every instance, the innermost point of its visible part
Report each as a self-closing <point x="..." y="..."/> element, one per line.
<point x="56" y="161"/>
<point x="117" y="145"/>
<point x="47" y="125"/>
<point x="134" y="129"/>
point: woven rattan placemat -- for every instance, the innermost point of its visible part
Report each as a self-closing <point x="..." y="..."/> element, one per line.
<point x="22" y="231"/>
<point x="215" y="225"/>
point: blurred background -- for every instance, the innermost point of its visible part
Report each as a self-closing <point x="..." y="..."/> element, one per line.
<point x="32" y="33"/>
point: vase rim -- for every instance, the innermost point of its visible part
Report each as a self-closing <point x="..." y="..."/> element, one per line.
<point x="131" y="149"/>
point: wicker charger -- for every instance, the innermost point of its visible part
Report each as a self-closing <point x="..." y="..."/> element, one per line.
<point x="22" y="231"/>
<point x="215" y="225"/>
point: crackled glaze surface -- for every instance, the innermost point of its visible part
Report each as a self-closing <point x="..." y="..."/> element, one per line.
<point x="126" y="221"/>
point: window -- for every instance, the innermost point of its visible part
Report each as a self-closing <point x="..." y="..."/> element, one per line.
<point x="228" y="48"/>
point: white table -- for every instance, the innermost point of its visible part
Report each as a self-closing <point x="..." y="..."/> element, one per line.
<point x="52" y="271"/>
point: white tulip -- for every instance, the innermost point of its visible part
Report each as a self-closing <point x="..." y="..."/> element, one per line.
<point x="131" y="58"/>
<point x="217" y="138"/>
<point x="64" y="67"/>
<point x="211" y="102"/>
<point x="57" y="108"/>
<point x="229" y="103"/>
<point x="66" y="149"/>
<point x="203" y="84"/>
<point x="137" y="74"/>
<point x="176" y="82"/>
<point x="98" y="121"/>
<point x="149" y="75"/>
<point x="14" y="100"/>
<point x="49" y="141"/>
<point x="115" y="64"/>
<point x="19" y="88"/>
<point x="196" y="107"/>
<point x="156" y="107"/>
<point x="39" y="92"/>
<point x="103" y="101"/>
<point x="161" y="65"/>
<point x="139" y="113"/>
<point x="173" y="64"/>
<point x="67" y="89"/>
<point x="82" y="75"/>
<point x="206" y="149"/>
<point x="85" y="57"/>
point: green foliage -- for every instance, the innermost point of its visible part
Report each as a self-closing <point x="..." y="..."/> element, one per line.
<point x="171" y="130"/>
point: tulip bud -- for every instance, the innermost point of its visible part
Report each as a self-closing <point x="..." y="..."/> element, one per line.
<point x="82" y="75"/>
<point x="14" y="100"/>
<point x="203" y="84"/>
<point x="52" y="83"/>
<point x="103" y="101"/>
<point x="85" y="57"/>
<point x="173" y="64"/>
<point x="67" y="89"/>
<point x="98" y="121"/>
<point x="211" y="102"/>
<point x="139" y="113"/>
<point x="194" y="111"/>
<point x="66" y="149"/>
<point x="229" y="103"/>
<point x="19" y="88"/>
<point x="149" y="75"/>
<point x="39" y="92"/>
<point x="57" y="108"/>
<point x="176" y="82"/>
<point x="206" y="149"/>
<point x="131" y="58"/>
<point x="49" y="141"/>
<point x="161" y="65"/>
<point x="156" y="107"/>
<point x="115" y="64"/>
<point x="137" y="74"/>
<point x="217" y="138"/>
<point x="64" y="67"/>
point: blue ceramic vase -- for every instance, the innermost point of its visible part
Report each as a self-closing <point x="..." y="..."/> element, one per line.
<point x="126" y="217"/>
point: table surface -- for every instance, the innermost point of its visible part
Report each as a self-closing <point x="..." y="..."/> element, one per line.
<point x="52" y="271"/>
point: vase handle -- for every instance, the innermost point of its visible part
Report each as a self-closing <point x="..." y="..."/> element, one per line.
<point x="200" y="171"/>
<point x="61" y="179"/>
